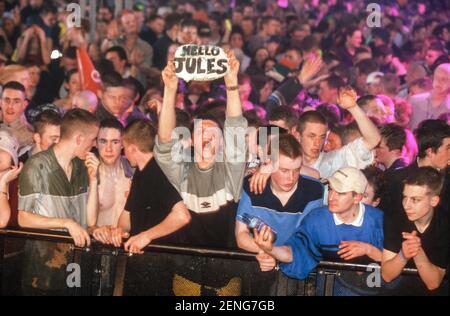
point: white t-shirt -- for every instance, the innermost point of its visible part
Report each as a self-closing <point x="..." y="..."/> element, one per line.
<point x="354" y="154"/>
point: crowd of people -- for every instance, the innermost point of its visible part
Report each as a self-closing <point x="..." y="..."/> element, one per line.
<point x="359" y="113"/>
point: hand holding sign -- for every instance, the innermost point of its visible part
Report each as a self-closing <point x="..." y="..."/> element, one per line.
<point x="169" y="77"/>
<point x="200" y="62"/>
<point x="233" y="69"/>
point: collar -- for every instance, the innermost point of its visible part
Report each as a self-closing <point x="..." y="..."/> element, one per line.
<point x="22" y="121"/>
<point x="358" y="220"/>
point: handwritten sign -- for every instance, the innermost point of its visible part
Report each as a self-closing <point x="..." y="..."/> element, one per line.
<point x="200" y="62"/>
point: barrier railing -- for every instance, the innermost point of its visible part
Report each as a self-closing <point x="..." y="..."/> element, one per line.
<point x="161" y="270"/>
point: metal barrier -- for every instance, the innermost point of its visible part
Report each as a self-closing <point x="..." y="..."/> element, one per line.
<point x="161" y="270"/>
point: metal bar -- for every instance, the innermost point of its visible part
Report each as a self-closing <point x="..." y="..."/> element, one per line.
<point x="64" y="237"/>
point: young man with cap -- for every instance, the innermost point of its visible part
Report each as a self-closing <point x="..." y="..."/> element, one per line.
<point x="9" y="170"/>
<point x="346" y="229"/>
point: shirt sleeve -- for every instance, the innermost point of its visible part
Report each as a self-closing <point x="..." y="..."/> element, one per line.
<point x="30" y="187"/>
<point x="392" y="233"/>
<point x="245" y="206"/>
<point x="169" y="194"/>
<point x="305" y="252"/>
<point x="354" y="154"/>
<point x="170" y="159"/>
<point x="235" y="154"/>
<point x="131" y="203"/>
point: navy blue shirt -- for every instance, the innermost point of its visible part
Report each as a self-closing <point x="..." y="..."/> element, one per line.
<point x="283" y="219"/>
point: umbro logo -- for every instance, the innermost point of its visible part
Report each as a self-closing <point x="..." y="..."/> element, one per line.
<point x="205" y="204"/>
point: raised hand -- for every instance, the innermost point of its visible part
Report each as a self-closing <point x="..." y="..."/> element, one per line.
<point x="233" y="69"/>
<point x="10" y="174"/>
<point x="92" y="164"/>
<point x="169" y="76"/>
<point x="347" y="98"/>
<point x="310" y="68"/>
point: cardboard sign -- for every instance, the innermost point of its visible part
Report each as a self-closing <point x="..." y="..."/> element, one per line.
<point x="200" y="62"/>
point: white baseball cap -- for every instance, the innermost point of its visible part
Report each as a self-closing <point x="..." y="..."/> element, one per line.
<point x="348" y="179"/>
<point x="374" y="77"/>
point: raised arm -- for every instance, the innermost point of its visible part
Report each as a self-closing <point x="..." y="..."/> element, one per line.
<point x="289" y="90"/>
<point x="234" y="107"/>
<point x="167" y="116"/>
<point x="371" y="135"/>
<point x="92" y="164"/>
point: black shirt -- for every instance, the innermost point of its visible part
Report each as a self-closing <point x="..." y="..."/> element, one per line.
<point x="392" y="200"/>
<point x="435" y="243"/>
<point x="151" y="199"/>
<point x="435" y="239"/>
<point x="398" y="164"/>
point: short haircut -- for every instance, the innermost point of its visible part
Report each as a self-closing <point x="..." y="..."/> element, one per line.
<point x="425" y="176"/>
<point x="183" y="119"/>
<point x="142" y="134"/>
<point x="112" y="123"/>
<point x="284" y="113"/>
<point x="310" y="117"/>
<point x="363" y="101"/>
<point x="289" y="146"/>
<point x="350" y="130"/>
<point x="14" y="85"/>
<point x="119" y="50"/>
<point x="423" y="83"/>
<point x="394" y="136"/>
<point x="266" y="19"/>
<point x="188" y="23"/>
<point x="351" y="30"/>
<point x="331" y="112"/>
<point x="77" y="120"/>
<point x="436" y="46"/>
<point x="335" y="82"/>
<point x="135" y="86"/>
<point x="69" y="74"/>
<point x="112" y="79"/>
<point x="391" y="83"/>
<point x="375" y="177"/>
<point x="48" y="8"/>
<point x="172" y="20"/>
<point x="46" y="118"/>
<point x="431" y="134"/>
<point x="367" y="66"/>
